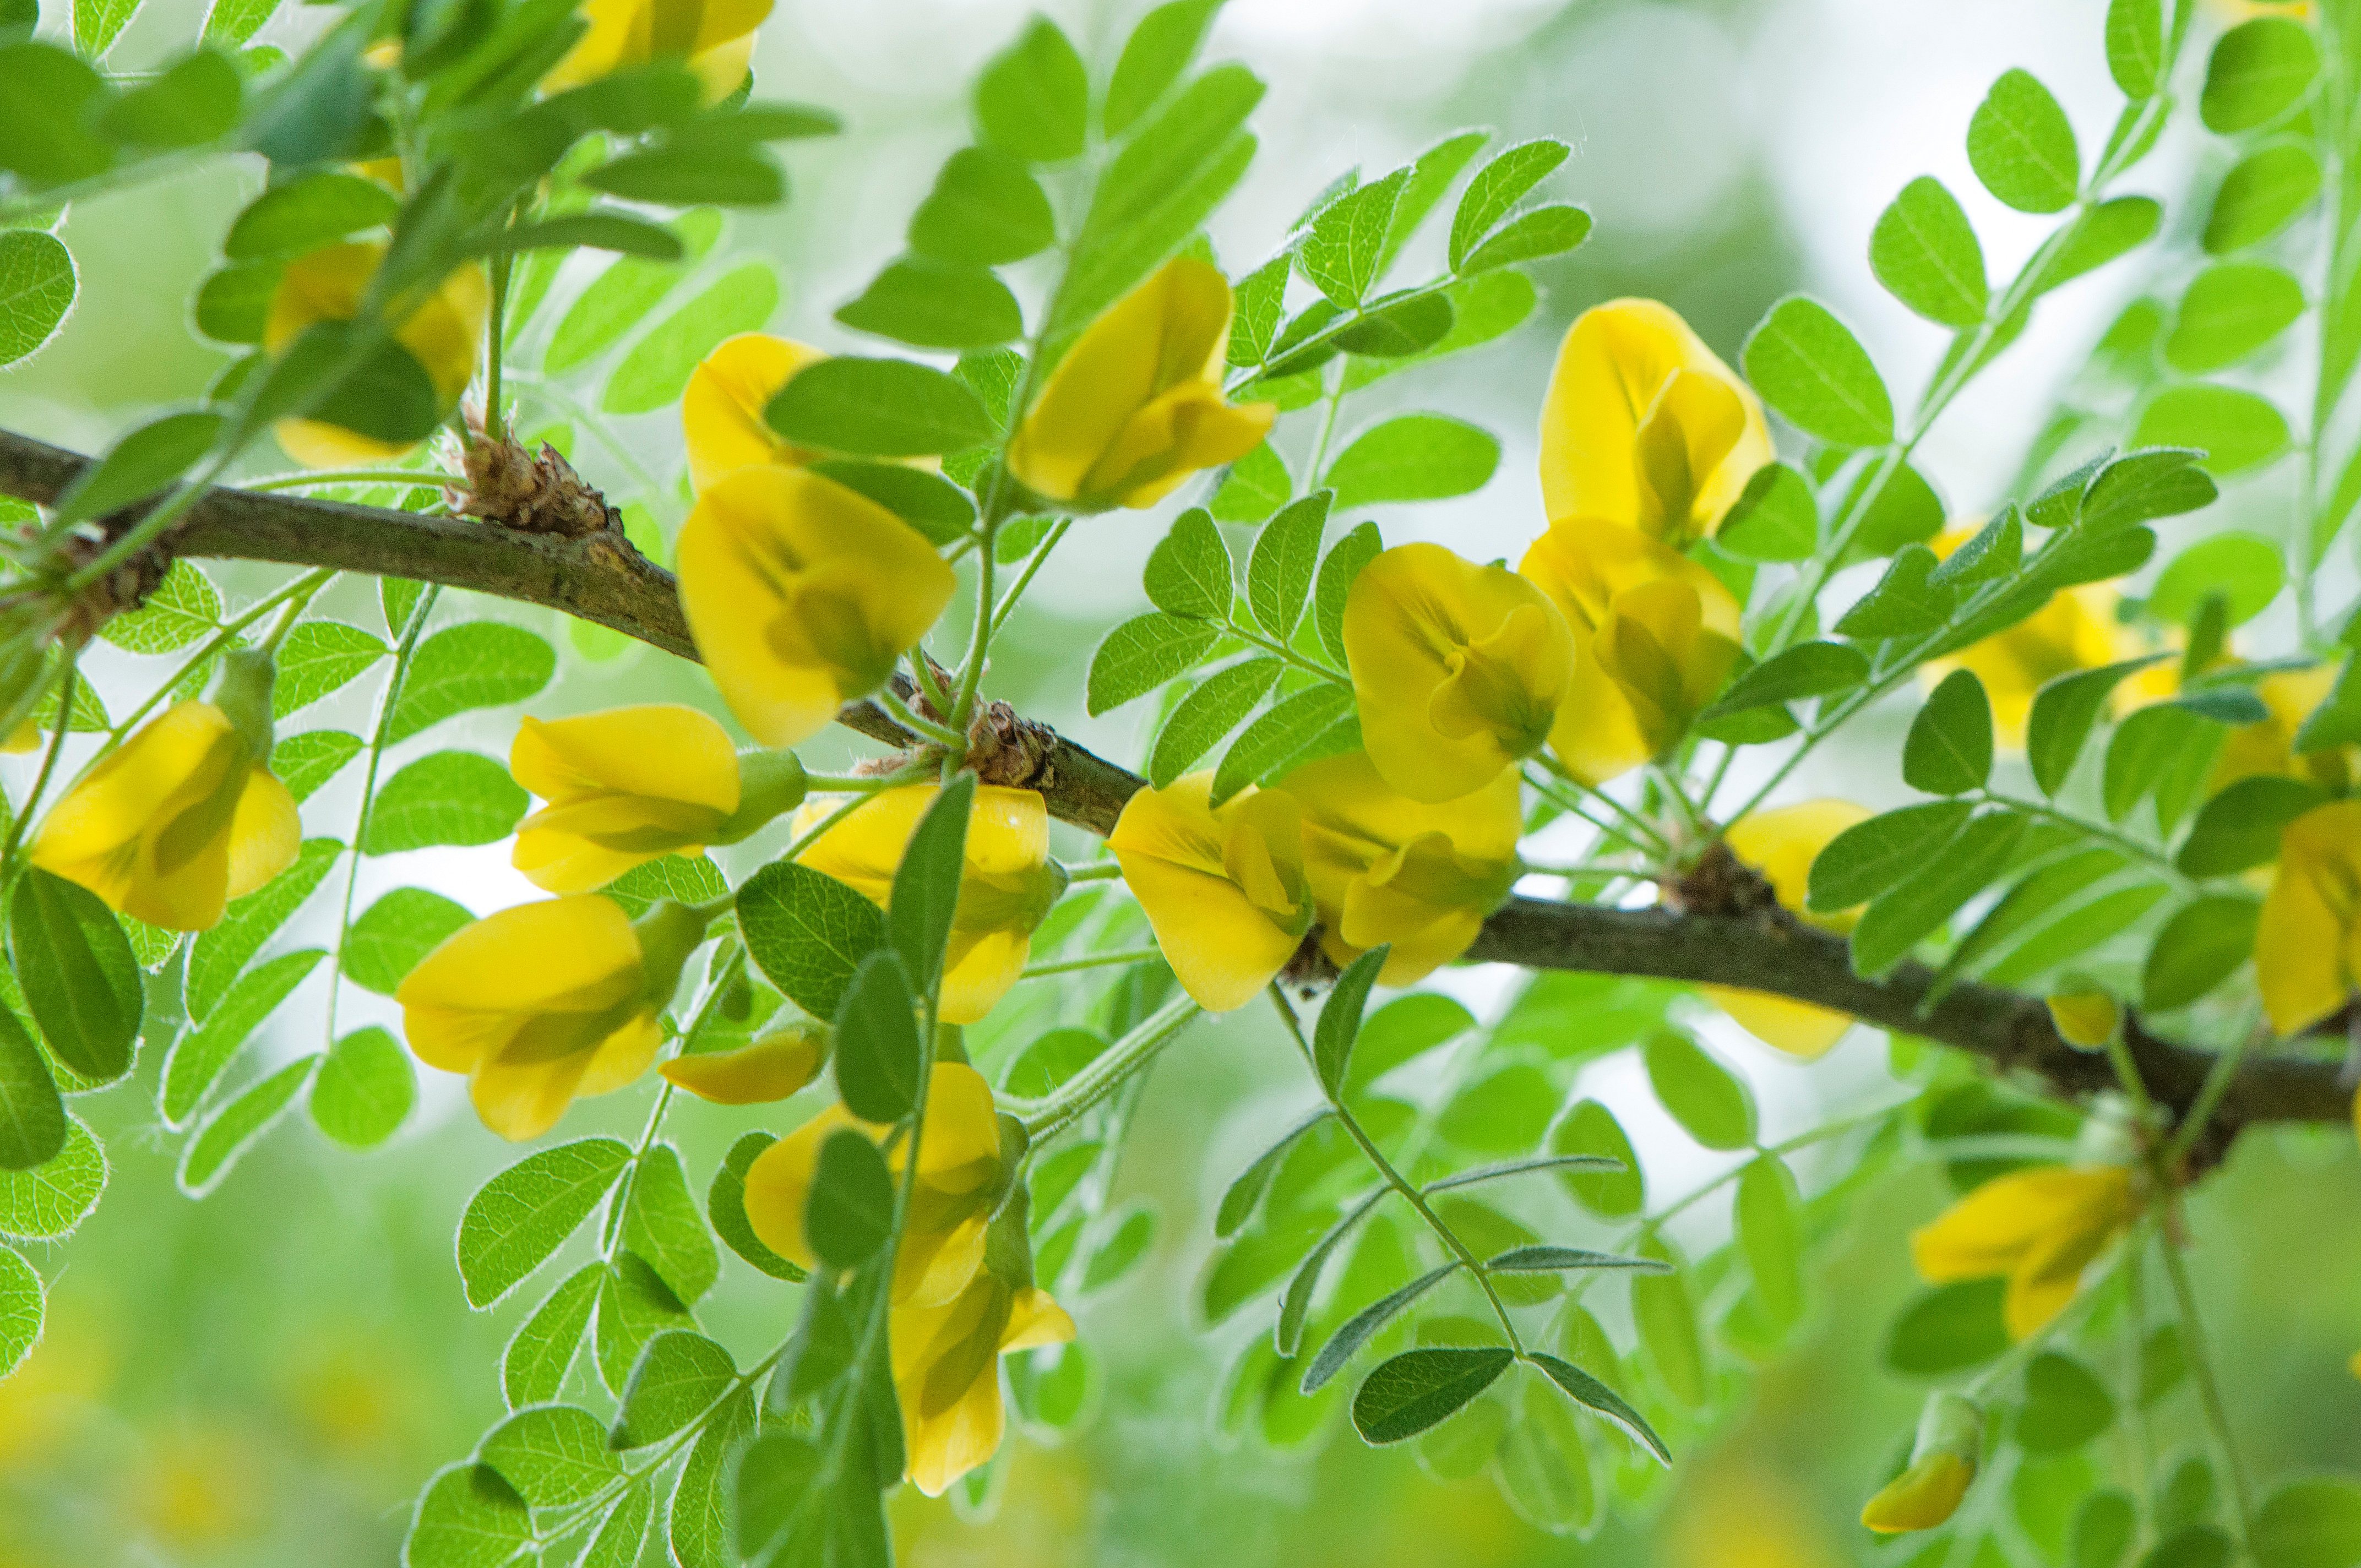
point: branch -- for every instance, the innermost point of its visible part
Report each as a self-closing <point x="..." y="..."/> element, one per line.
<point x="1726" y="938"/>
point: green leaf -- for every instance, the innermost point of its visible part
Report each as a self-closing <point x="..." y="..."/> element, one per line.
<point x="926" y="894"/>
<point x="685" y="171"/>
<point x="662" y="1225"/>
<point x="2065" y="1407"/>
<point x="1532" y="236"/>
<point x="1279" y="573"/>
<point x="1497" y="187"/>
<point x="1871" y="856"/>
<point x="2103" y="1531"/>
<point x="534" y="1366"/>
<point x="1899" y="918"/>
<point x="2245" y="570"/>
<point x="467" y="1517"/>
<point x="1122" y="1250"/>
<point x="808" y="933"/>
<point x="877" y="1051"/>
<point x="725" y="1208"/>
<point x="306" y="212"/>
<point x="1242" y="1197"/>
<point x="1924" y="251"/>
<point x="194" y="101"/>
<point x="365" y="1090"/>
<point x="2022" y="147"/>
<point x="444" y="797"/>
<point x="21" y="1302"/>
<point x="32" y="1116"/>
<point x="1141" y="654"/>
<point x="38" y="286"/>
<point x="234" y="1128"/>
<point x="199" y="1058"/>
<point x="217" y="956"/>
<point x="1313" y="723"/>
<point x="1808" y="669"/>
<point x="1364" y="1324"/>
<point x="1430" y="175"/>
<point x="2064" y="709"/>
<point x="633" y="1308"/>
<point x="482" y="664"/>
<point x="1253" y="487"/>
<point x="2202" y="945"/>
<point x="879" y="408"/>
<point x="603" y="230"/>
<point x="1666" y="1318"/>
<point x="1413" y="457"/>
<point x="1158" y="51"/>
<point x="385" y="395"/>
<point x="2310" y="1522"/>
<point x="929" y="304"/>
<point x="851" y="1211"/>
<point x="1590" y="1392"/>
<point x="2135" y="45"/>
<point x="55" y="147"/>
<point x="522" y="1215"/>
<point x="1340" y="1018"/>
<point x="317" y="657"/>
<point x="232" y="302"/>
<point x="2261" y="195"/>
<point x="185" y="608"/>
<point x="1419" y="1388"/>
<point x="79" y="974"/>
<point x="1334" y="586"/>
<point x="2230" y="310"/>
<point x="150" y="459"/>
<point x="926" y="502"/>
<point x="698" y="1528"/>
<point x="1907" y="602"/>
<point x="2260" y="68"/>
<point x="1296" y="1304"/>
<point x="2237" y="428"/>
<point x="653" y="375"/>
<point x="1404" y="330"/>
<point x="1948" y="1329"/>
<point x="679" y="1375"/>
<point x="1189" y="573"/>
<point x="986" y="209"/>
<point x="1562" y="1259"/>
<point x="555" y="1455"/>
<point x="2239" y="829"/>
<point x="2142" y="486"/>
<point x="393" y="934"/>
<point x="1339" y="251"/>
<point x="1949" y="749"/>
<point x="1770" y="1223"/>
<point x="303" y="763"/>
<point x="1773" y="518"/>
<point x="50" y="1201"/>
<point x="1031" y="99"/>
<point x="620" y="1540"/>
<point x="1209" y="712"/>
<point x="2101" y="235"/>
<point x="2166" y="750"/>
<point x="1590" y="1129"/>
<point x="1709" y="1102"/>
<point x="1809" y="366"/>
<point x="621" y="296"/>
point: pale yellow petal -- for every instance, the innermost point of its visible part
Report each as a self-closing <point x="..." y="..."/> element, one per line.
<point x="1797" y="1028"/>
<point x="769" y="1070"/>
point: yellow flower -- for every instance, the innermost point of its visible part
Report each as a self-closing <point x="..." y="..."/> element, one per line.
<point x="1007" y="883"/>
<point x="1655" y="634"/>
<point x="546" y="1002"/>
<point x="2077" y="630"/>
<point x="947" y="1371"/>
<point x="1942" y="1464"/>
<point x="959" y="1178"/>
<point x="771" y="1068"/>
<point x="185" y="816"/>
<point x="624" y="787"/>
<point x="444" y="333"/>
<point x="2308" y="943"/>
<point x="2087" y="1017"/>
<point x="721" y="410"/>
<point x="1224" y="889"/>
<point x="1458" y="669"/>
<point x="1781" y="845"/>
<point x="1644" y="426"/>
<point x="714" y="38"/>
<point x="1386" y="869"/>
<point x="2268" y="745"/>
<point x="2037" y="1228"/>
<point x="1922" y="1496"/>
<point x="801" y="595"/>
<point x="1136" y="405"/>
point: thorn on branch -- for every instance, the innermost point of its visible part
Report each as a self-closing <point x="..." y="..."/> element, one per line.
<point x="530" y="492"/>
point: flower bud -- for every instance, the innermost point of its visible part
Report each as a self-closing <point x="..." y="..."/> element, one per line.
<point x="2084" y="1014"/>
<point x="769" y="1070"/>
<point x="1942" y="1465"/>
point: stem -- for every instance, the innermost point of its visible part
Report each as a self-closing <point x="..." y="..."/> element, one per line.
<point x="899" y="776"/>
<point x="495" y="425"/>
<point x="1634" y="821"/>
<point x="1102" y="871"/>
<point x="2209" y="1389"/>
<point x="2154" y="858"/>
<point x="1095" y="961"/>
<point x="912" y="720"/>
<point x="1054" y="1112"/>
<point x="167" y="512"/>
<point x="2209" y="1096"/>
<point x="306" y="585"/>
<point x="1025" y="579"/>
<point x="1412" y="1194"/>
<point x="48" y="767"/>
<point x="416" y="478"/>
<point x="1271" y="645"/>
<point x="980" y="642"/>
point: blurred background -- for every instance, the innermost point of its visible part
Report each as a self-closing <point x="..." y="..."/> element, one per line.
<point x="268" y="1375"/>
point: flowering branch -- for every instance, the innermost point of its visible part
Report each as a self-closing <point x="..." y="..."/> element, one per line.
<point x="1721" y="935"/>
